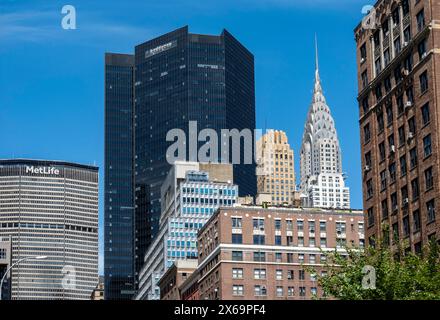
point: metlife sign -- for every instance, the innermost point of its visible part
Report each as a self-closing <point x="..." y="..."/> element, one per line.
<point x="43" y="170"/>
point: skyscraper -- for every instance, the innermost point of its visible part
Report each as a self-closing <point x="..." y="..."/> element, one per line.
<point x="119" y="219"/>
<point x="191" y="193"/>
<point x="322" y="181"/>
<point x="398" y="68"/>
<point x="174" y="79"/>
<point x="50" y="208"/>
<point x="182" y="77"/>
<point x="276" y="170"/>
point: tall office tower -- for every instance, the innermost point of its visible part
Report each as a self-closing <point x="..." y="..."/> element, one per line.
<point x="275" y="167"/>
<point x="190" y="195"/>
<point x="322" y="180"/>
<point x="5" y="263"/>
<point x="182" y="77"/>
<point x="50" y="208"/>
<point x="119" y="219"/>
<point x="398" y="60"/>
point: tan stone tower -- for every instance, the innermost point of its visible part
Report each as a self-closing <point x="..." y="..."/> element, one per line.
<point x="276" y="171"/>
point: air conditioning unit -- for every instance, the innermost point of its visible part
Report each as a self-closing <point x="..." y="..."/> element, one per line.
<point x="362" y="60"/>
<point x="405" y="201"/>
<point x="392" y="149"/>
<point x="405" y="72"/>
<point x="408" y="104"/>
<point x="424" y="55"/>
<point x="367" y="168"/>
<point x="405" y="44"/>
<point x="410" y="136"/>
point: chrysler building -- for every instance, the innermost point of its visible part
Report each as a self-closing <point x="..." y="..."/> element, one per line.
<point x="322" y="181"/>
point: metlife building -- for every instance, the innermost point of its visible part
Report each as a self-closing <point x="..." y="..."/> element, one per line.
<point x="50" y="209"/>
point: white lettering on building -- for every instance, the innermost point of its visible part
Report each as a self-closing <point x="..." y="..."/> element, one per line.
<point x="42" y="170"/>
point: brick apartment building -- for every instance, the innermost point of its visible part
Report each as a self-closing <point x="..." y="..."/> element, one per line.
<point x="398" y="58"/>
<point x="252" y="253"/>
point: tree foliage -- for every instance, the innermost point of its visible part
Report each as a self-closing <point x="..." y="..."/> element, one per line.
<point x="398" y="275"/>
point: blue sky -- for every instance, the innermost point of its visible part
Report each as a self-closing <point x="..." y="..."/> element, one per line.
<point x="51" y="80"/>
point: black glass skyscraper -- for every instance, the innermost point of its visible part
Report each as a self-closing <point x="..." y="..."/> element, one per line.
<point x="119" y="220"/>
<point x="178" y="77"/>
<point x="182" y="77"/>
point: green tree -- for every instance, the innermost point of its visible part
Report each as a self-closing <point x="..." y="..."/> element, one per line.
<point x="381" y="273"/>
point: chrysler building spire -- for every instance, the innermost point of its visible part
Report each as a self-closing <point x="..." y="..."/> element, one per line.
<point x="321" y="165"/>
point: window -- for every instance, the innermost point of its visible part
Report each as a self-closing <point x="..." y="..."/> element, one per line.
<point x="323" y="242"/>
<point x="413" y="158"/>
<point x="259" y="239"/>
<point x="383" y="180"/>
<point x="323" y="224"/>
<point x="278" y="240"/>
<point x="237" y="290"/>
<point x="367" y="133"/>
<point x="400" y="105"/>
<point x="386" y="57"/>
<point x="402" y="138"/>
<point x="394" y="206"/>
<point x="424" y="82"/>
<point x="301" y="275"/>
<point x="384" y="206"/>
<point x="237" y="238"/>
<point x="314" y="291"/>
<point x="258" y="224"/>
<point x="312" y="226"/>
<point x="363" y="51"/>
<point x="378" y="67"/>
<point x="396" y="17"/>
<point x="312" y="241"/>
<point x="429" y="179"/>
<point x="395" y="228"/>
<point x="369" y="188"/>
<point x="291" y="291"/>
<point x="420" y="20"/>
<point x="421" y="48"/>
<point x="410" y="94"/>
<point x="289" y="257"/>
<point x="380" y="121"/>
<point x="402" y="165"/>
<point x="259" y="274"/>
<point x="407" y="35"/>
<point x="260" y="256"/>
<point x="300" y="225"/>
<point x="415" y="188"/>
<point x="236" y="223"/>
<point x="302" y="291"/>
<point x="389" y="110"/>
<point x="404" y="194"/>
<point x="430" y="208"/>
<point x="386" y="27"/>
<point x="416" y="221"/>
<point x="397" y="46"/>
<point x="279" y="274"/>
<point x="365" y="105"/>
<point x="425" y="114"/>
<point x="427" y="147"/>
<point x="398" y="76"/>
<point x="370" y="217"/>
<point x="237" y="255"/>
<point x="406" y="226"/>
<point x="364" y="77"/>
<point x="237" y="273"/>
<point x="280" y="291"/>
<point x="392" y="170"/>
<point x="260" y="290"/>
<point x="412" y="125"/>
<point x="405" y="7"/>
<point x="382" y="151"/>
<point x="312" y="258"/>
